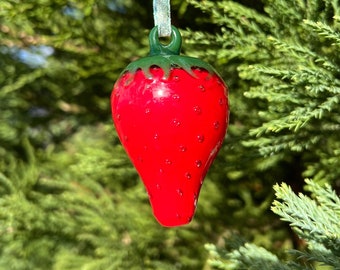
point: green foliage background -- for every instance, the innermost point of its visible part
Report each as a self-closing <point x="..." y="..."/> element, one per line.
<point x="69" y="196"/>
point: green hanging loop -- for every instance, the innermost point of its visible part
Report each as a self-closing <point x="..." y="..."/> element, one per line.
<point x="157" y="48"/>
<point x="167" y="56"/>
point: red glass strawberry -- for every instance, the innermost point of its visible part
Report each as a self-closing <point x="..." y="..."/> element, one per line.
<point x="171" y="115"/>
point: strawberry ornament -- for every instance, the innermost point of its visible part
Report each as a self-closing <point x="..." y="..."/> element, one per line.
<point x="171" y="115"/>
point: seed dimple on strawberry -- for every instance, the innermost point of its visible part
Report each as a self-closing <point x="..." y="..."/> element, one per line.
<point x="171" y="115"/>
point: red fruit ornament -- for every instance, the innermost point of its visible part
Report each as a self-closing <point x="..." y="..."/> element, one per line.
<point x="171" y="115"/>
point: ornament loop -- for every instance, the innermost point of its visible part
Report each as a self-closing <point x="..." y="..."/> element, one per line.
<point x="157" y="48"/>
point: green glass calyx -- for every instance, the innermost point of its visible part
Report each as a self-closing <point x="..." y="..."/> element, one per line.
<point x="167" y="56"/>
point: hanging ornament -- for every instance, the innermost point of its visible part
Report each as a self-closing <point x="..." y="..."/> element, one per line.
<point x="171" y="115"/>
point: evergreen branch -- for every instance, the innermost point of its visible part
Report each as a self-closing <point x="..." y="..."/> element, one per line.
<point x="303" y="54"/>
<point x="248" y="17"/>
<point x="288" y="16"/>
<point x="326" y="197"/>
<point x="335" y="6"/>
<point x="6" y="185"/>
<point x="298" y="117"/>
<point x="198" y="37"/>
<point x="312" y="10"/>
<point x="325" y="30"/>
<point x="289" y="85"/>
<point x="312" y="220"/>
<point x="229" y="13"/>
<point x="253" y="257"/>
<point x="318" y="254"/>
<point x="329" y="105"/>
<point x="276" y="93"/>
<point x="320" y="88"/>
<point x="244" y="256"/>
<point x="291" y="142"/>
<point x="22" y="81"/>
<point x="300" y="75"/>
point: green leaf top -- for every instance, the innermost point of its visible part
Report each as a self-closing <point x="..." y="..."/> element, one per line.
<point x="167" y="57"/>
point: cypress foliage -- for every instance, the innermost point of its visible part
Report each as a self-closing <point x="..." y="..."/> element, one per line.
<point x="69" y="196"/>
<point x="283" y="57"/>
<point x="316" y="221"/>
<point x="288" y="54"/>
